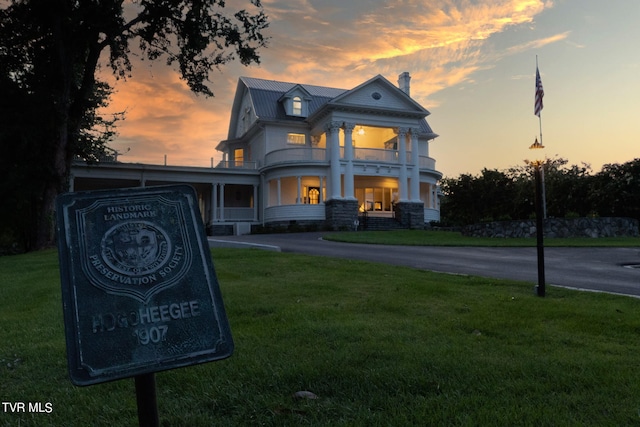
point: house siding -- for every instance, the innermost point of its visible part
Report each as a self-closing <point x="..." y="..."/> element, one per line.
<point x="386" y="101"/>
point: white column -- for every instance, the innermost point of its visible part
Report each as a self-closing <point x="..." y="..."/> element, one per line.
<point x="432" y="196"/>
<point x="221" y="202"/>
<point x="333" y="140"/>
<point x="402" y="159"/>
<point x="348" y="156"/>
<point x="279" y="192"/>
<point x="384" y="198"/>
<point x="415" y="160"/>
<point x="299" y="197"/>
<point x="214" y="202"/>
<point x="255" y="203"/>
<point x="321" y="181"/>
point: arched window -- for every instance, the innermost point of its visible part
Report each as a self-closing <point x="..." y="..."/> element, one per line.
<point x="297" y="106"/>
<point x="314" y="196"/>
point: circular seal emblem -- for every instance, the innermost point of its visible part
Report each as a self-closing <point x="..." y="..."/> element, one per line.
<point x="135" y="248"/>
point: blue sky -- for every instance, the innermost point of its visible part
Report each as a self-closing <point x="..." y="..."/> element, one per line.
<point x="472" y="64"/>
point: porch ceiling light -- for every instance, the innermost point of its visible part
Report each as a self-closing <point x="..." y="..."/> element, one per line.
<point x="361" y="131"/>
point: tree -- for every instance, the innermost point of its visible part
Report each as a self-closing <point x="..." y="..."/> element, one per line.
<point x="567" y="189"/>
<point x="24" y="161"/>
<point x="616" y="190"/>
<point x="497" y="195"/>
<point x="50" y="51"/>
<point x="492" y="195"/>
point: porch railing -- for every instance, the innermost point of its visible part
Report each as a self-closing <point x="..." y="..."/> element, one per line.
<point x="431" y="214"/>
<point x="298" y="211"/>
<point x="235" y="214"/>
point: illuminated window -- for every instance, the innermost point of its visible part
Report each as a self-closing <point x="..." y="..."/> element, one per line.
<point x="296" y="138"/>
<point x="238" y="157"/>
<point x="297" y="106"/>
<point x="314" y="195"/>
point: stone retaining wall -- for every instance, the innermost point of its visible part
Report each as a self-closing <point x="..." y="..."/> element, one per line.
<point x="557" y="227"/>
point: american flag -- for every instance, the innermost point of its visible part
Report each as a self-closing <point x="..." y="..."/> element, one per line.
<point x="539" y="94"/>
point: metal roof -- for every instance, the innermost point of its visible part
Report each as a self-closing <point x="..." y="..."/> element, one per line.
<point x="284" y="87"/>
<point x="266" y="93"/>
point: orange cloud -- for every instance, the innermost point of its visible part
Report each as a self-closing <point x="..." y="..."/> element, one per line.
<point x="341" y="44"/>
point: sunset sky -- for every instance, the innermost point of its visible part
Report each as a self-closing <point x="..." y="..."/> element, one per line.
<point x="472" y="64"/>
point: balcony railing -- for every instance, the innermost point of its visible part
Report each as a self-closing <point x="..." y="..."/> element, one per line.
<point x="318" y="155"/>
<point x="427" y="163"/>
<point x="298" y="154"/>
<point x="230" y="164"/>
<point x="375" y="155"/>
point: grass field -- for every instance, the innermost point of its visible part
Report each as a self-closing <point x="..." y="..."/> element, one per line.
<point x="378" y="345"/>
<point x="451" y="238"/>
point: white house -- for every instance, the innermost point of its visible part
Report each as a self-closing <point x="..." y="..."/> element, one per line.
<point x="305" y="154"/>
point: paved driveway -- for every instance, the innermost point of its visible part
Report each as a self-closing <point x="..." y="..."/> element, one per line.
<point x="597" y="269"/>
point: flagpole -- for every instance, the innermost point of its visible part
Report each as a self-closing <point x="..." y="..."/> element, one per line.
<point x="544" y="195"/>
<point x="539" y="185"/>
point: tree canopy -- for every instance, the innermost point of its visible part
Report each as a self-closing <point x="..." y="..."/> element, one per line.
<point x="570" y="191"/>
<point x="50" y="52"/>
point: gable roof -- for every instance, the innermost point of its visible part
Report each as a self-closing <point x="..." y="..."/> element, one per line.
<point x="380" y="81"/>
<point x="265" y="96"/>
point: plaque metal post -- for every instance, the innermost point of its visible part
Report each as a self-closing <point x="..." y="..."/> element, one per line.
<point x="146" y="400"/>
<point x="139" y="255"/>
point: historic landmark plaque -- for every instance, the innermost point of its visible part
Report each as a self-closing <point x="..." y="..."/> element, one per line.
<point x="139" y="290"/>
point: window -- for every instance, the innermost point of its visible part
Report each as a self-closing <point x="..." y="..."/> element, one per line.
<point x="296" y="106"/>
<point x="314" y="195"/>
<point x="238" y="157"/>
<point x="296" y="138"/>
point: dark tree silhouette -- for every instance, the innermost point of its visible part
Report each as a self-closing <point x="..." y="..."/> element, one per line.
<point x="50" y="51"/>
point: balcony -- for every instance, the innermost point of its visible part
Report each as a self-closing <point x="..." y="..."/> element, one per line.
<point x="296" y="155"/>
<point x="318" y="155"/>
<point x="230" y="164"/>
<point x="375" y="155"/>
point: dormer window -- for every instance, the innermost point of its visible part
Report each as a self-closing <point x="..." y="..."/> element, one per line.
<point x="296" y="102"/>
<point x="296" y="107"/>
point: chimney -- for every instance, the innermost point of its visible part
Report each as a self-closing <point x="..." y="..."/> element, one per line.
<point x="403" y="82"/>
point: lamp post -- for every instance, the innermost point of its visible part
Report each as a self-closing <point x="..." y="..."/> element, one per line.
<point x="540" y="289"/>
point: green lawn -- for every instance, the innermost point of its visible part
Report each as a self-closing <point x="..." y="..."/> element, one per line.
<point x="451" y="238"/>
<point x="379" y="346"/>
